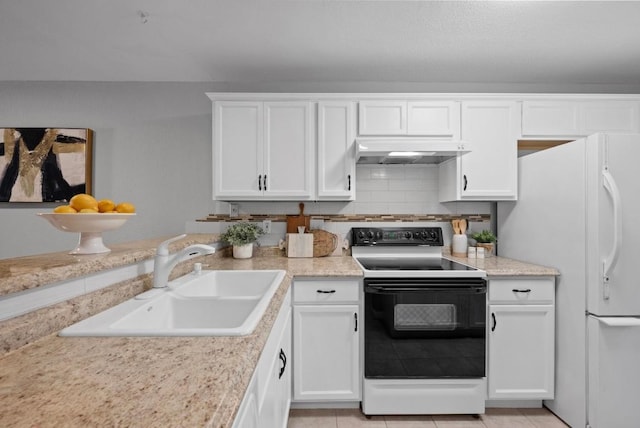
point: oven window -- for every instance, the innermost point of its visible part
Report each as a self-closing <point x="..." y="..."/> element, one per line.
<point x="424" y="317"/>
<point x="425" y="334"/>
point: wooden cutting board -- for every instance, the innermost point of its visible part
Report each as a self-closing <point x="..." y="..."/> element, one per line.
<point x="293" y="221"/>
<point x="324" y="243"/>
<point x="299" y="245"/>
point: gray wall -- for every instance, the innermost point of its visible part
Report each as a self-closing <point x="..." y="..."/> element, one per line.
<point x="152" y="146"/>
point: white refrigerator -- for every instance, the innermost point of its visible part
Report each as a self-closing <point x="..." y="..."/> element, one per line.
<point x="578" y="210"/>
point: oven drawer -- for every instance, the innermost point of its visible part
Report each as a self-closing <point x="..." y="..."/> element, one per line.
<point x="522" y="290"/>
<point x="317" y="291"/>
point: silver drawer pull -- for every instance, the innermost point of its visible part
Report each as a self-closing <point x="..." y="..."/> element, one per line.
<point x="326" y="291"/>
<point x="526" y="290"/>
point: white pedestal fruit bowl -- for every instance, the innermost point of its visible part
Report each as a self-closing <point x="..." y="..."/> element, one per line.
<point x="90" y="226"/>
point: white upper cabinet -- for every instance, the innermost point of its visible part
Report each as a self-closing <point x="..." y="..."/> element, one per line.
<point x="263" y="150"/>
<point x="575" y="119"/>
<point x="434" y="118"/>
<point x="401" y="117"/>
<point x="336" y="153"/>
<point x="489" y="172"/>
<point x="382" y="118"/>
<point x="237" y="149"/>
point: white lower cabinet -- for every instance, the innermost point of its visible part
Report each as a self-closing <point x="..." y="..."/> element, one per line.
<point x="326" y="332"/>
<point x="268" y="398"/>
<point x="521" y="326"/>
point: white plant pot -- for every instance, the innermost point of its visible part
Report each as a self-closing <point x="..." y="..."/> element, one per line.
<point x="243" y="251"/>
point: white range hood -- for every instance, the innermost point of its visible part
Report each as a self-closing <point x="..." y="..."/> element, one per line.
<point x="407" y="150"/>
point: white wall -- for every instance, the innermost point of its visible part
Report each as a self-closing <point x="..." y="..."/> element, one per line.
<point x="152" y="146"/>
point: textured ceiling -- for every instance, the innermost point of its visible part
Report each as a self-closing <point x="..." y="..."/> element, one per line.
<point x="520" y="42"/>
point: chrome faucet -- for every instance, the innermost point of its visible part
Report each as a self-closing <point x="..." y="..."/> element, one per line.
<point x="164" y="263"/>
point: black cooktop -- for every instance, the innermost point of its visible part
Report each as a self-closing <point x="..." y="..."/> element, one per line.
<point x="411" y="264"/>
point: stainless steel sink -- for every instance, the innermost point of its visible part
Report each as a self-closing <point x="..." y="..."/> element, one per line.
<point x="210" y="303"/>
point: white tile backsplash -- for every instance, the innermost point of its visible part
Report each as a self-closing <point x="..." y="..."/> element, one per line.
<point x="380" y="189"/>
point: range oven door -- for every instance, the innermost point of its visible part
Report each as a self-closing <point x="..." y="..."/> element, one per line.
<point x="424" y="328"/>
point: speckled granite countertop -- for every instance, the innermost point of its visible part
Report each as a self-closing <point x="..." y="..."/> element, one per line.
<point x="502" y="266"/>
<point x="23" y="273"/>
<point x="145" y="382"/>
<point x="149" y="381"/>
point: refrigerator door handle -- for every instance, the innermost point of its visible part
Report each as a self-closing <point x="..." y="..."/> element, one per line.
<point x="610" y="261"/>
<point x="618" y="321"/>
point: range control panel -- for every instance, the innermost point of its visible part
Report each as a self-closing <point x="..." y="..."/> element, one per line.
<point x="408" y="236"/>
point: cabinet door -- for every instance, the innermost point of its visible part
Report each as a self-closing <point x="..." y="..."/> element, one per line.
<point x="382" y="118"/>
<point x="288" y="150"/>
<point x="237" y="149"/>
<point x="610" y="117"/>
<point x="326" y="352"/>
<point x="521" y="351"/>
<point x="336" y="154"/>
<point x="489" y="171"/>
<point x="274" y="411"/>
<point x="576" y="119"/>
<point x="550" y="118"/>
<point x="434" y="118"/>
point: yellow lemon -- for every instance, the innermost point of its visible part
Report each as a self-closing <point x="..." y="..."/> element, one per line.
<point x="83" y="201"/>
<point x="125" y="207"/>
<point x="88" y="211"/>
<point x="106" y="205"/>
<point x="64" y="209"/>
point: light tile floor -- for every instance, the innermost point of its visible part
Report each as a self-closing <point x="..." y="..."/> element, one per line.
<point x="493" y="418"/>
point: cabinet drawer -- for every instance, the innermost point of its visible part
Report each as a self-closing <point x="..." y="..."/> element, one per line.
<point x="347" y="291"/>
<point x="526" y="290"/>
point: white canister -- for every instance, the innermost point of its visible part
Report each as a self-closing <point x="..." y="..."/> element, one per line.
<point x="480" y="252"/>
<point x="459" y="245"/>
<point x="471" y="252"/>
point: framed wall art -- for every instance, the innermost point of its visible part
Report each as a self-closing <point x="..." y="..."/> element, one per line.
<point x="44" y="164"/>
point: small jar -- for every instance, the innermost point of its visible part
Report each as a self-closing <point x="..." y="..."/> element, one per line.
<point x="471" y="252"/>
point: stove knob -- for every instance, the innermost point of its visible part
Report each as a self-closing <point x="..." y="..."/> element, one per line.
<point x="379" y="235"/>
<point x="361" y="234"/>
<point x="408" y="235"/>
<point x="370" y="234"/>
<point x="433" y="235"/>
<point x="424" y="235"/>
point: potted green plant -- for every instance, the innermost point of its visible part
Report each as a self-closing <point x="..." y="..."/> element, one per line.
<point x="485" y="239"/>
<point x="242" y="236"/>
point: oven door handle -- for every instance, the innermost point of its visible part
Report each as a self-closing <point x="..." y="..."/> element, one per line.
<point x="378" y="289"/>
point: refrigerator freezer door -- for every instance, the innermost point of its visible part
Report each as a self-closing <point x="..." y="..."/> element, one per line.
<point x="614" y="372"/>
<point x="547" y="226"/>
<point x="613" y="209"/>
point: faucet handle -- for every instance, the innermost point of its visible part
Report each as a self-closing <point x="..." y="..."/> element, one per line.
<point x="163" y="248"/>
